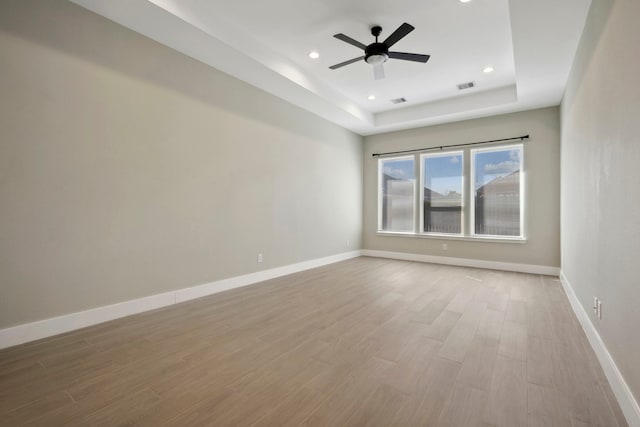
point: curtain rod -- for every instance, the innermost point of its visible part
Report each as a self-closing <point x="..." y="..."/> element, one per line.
<point x="521" y="138"/>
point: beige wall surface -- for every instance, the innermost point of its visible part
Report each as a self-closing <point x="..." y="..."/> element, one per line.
<point x="128" y="169"/>
<point x="542" y="168"/>
<point x="601" y="178"/>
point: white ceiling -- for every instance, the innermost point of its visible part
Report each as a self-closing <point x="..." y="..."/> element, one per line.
<point x="530" y="43"/>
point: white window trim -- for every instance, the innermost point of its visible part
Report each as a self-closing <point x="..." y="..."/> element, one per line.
<point x="472" y="184"/>
<point x="380" y="173"/>
<point x="420" y="225"/>
<point x="468" y="219"/>
<point x="436" y="236"/>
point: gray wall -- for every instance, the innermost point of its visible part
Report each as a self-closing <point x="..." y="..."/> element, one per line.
<point x="128" y="169"/>
<point x="542" y="165"/>
<point x="601" y="178"/>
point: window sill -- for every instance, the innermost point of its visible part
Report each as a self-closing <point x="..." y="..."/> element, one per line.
<point x="492" y="239"/>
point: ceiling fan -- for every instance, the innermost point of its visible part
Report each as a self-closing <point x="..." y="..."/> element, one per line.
<point x="377" y="53"/>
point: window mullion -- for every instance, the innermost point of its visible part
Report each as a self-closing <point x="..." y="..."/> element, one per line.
<point x="417" y="196"/>
<point x="468" y="194"/>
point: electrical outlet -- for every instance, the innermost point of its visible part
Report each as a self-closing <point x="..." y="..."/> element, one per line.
<point x="348" y="243"/>
<point x="259" y="257"/>
<point x="599" y="310"/>
<point x="445" y="247"/>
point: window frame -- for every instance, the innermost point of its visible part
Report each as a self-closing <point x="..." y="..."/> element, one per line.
<point x="468" y="197"/>
<point x="472" y="199"/>
<point x="420" y="227"/>
<point x="381" y="160"/>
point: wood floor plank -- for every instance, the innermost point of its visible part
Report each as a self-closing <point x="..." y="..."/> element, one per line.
<point x="491" y="325"/>
<point x="430" y="312"/>
<point x="366" y="341"/>
<point x="408" y="371"/>
<point x="442" y="325"/>
<point x="37" y="409"/>
<point x="499" y="300"/>
<point x="435" y="387"/>
<point x="513" y="342"/>
<point x="464" y="407"/>
<point x="458" y="342"/>
<point x="477" y="368"/>
<point x="463" y="298"/>
<point x="460" y="338"/>
<point x="350" y="396"/>
<point x="507" y="405"/>
<point x="293" y="410"/>
<point x="517" y="312"/>
<point x="540" y="366"/>
<point x="123" y="410"/>
<point x="379" y="409"/>
<point x="548" y="405"/>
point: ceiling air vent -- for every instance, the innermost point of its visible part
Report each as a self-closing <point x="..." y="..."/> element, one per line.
<point x="398" y="100"/>
<point x="468" y="85"/>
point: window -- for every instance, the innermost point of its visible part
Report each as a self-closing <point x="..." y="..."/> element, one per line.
<point x="497" y="189"/>
<point x="396" y="194"/>
<point x="473" y="193"/>
<point x="441" y="192"/>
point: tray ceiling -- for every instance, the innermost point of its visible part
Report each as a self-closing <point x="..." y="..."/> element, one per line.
<point x="529" y="44"/>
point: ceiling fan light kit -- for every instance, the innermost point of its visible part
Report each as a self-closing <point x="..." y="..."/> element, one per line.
<point x="377" y="53"/>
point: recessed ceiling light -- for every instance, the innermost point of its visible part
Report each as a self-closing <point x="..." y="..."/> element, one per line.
<point x="371" y="97"/>
<point x="488" y="69"/>
<point x="314" y="55"/>
<point x="465" y="1"/>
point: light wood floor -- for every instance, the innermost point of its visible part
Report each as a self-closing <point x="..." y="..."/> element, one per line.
<point x="362" y="342"/>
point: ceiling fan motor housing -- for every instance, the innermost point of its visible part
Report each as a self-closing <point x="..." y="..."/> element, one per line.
<point x="376" y="53"/>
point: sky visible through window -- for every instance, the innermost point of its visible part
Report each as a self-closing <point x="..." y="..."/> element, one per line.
<point x="448" y="169"/>
<point x="494" y="164"/>
<point x="443" y="174"/>
<point x="399" y="169"/>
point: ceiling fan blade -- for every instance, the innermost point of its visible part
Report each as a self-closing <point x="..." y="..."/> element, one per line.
<point x="378" y="72"/>
<point x="409" y="56"/>
<point x="349" y="40"/>
<point x="342" y="64"/>
<point x="402" y="31"/>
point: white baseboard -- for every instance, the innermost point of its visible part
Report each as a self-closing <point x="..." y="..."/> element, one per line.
<point x="57" y="325"/>
<point x="466" y="262"/>
<point x="621" y="390"/>
<point x="194" y="292"/>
